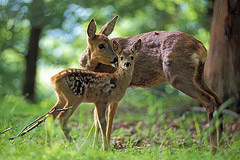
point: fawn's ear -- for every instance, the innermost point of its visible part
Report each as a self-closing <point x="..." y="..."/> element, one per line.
<point x="116" y="47"/>
<point x="108" y="27"/>
<point x="137" y="45"/>
<point x="91" y="30"/>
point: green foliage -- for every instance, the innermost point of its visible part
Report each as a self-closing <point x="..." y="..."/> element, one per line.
<point x="11" y="71"/>
<point x="64" y="28"/>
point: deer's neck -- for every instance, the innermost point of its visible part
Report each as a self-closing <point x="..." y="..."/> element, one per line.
<point x="86" y="62"/>
<point x="123" y="76"/>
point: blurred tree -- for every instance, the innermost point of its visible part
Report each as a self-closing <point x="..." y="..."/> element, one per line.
<point x="222" y="68"/>
<point x="37" y="24"/>
<point x="46" y="33"/>
<point x="40" y="14"/>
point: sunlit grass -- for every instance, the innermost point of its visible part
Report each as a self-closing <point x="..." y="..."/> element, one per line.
<point x="138" y="133"/>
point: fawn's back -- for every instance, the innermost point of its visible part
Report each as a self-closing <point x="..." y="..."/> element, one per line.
<point x="92" y="86"/>
<point x="86" y="85"/>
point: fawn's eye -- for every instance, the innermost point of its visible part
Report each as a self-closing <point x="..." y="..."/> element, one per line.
<point x="121" y="58"/>
<point x="132" y="57"/>
<point x="101" y="46"/>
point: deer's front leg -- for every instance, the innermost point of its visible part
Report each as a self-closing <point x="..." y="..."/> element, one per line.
<point x="111" y="112"/>
<point x="94" y="131"/>
<point x="95" y="123"/>
<point x="101" y="109"/>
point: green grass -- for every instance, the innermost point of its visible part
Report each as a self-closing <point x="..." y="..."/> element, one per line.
<point x="141" y="131"/>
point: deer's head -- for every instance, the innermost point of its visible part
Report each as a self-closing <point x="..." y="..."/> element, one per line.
<point x="99" y="48"/>
<point x="126" y="57"/>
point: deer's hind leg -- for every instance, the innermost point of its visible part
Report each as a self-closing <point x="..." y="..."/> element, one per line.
<point x="61" y="102"/>
<point x="201" y="82"/>
<point x="186" y="79"/>
<point x="204" y="86"/>
<point x="73" y="102"/>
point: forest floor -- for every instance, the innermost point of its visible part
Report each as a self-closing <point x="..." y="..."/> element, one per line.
<point x="137" y="134"/>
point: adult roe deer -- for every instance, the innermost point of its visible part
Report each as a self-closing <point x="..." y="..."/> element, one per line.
<point x="75" y="86"/>
<point x="175" y="57"/>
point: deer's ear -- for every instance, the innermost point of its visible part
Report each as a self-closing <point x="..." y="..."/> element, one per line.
<point x="91" y="30"/>
<point x="137" y="45"/>
<point x="108" y="27"/>
<point x="116" y="47"/>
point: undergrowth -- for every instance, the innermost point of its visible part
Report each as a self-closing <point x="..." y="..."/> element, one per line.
<point x="141" y="130"/>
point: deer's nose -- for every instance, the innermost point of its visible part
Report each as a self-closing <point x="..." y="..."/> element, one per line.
<point x="115" y="60"/>
<point x="127" y="64"/>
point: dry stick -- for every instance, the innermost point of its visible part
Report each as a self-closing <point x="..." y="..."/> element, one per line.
<point x="28" y="126"/>
<point x="200" y="109"/>
<point x="39" y="121"/>
<point x="222" y="109"/>
<point x="29" y="129"/>
<point x="5" y="130"/>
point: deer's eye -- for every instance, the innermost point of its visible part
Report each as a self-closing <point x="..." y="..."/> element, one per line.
<point x="101" y="46"/>
<point x="132" y="57"/>
<point x="121" y="58"/>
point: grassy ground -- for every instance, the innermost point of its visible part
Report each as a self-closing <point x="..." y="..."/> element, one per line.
<point x="139" y="132"/>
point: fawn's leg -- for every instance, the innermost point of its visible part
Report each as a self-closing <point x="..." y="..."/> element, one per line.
<point x="111" y="112"/>
<point x="96" y="127"/>
<point x="94" y="130"/>
<point x="64" y="116"/>
<point x="88" y="136"/>
<point x="101" y="109"/>
<point x="61" y="102"/>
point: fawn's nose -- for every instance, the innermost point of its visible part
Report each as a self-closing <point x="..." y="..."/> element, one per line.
<point x="115" y="60"/>
<point x="127" y="64"/>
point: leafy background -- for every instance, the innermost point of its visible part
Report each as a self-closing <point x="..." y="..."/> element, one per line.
<point x="64" y="31"/>
<point x="144" y="128"/>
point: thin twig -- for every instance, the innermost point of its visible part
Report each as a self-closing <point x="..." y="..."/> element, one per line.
<point x="5" y="130"/>
<point x="38" y="121"/>
<point x="63" y="109"/>
<point x="29" y="129"/>
<point x="200" y="109"/>
<point x="28" y="126"/>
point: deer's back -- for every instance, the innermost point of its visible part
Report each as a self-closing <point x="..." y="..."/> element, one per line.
<point x="157" y="47"/>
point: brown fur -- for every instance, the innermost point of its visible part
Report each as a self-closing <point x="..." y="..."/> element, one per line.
<point x="173" y="57"/>
<point x="94" y="40"/>
<point x="75" y="86"/>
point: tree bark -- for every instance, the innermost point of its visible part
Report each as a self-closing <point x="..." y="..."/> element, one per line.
<point x="223" y="64"/>
<point x="31" y="63"/>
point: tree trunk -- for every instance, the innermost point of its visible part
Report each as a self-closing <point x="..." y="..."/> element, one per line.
<point x="31" y="63"/>
<point x="223" y="64"/>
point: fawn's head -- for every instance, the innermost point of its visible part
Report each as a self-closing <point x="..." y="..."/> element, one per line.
<point x="99" y="46"/>
<point x="126" y="57"/>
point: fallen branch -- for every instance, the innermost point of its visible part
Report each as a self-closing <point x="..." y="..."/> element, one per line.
<point x="5" y="130"/>
<point x="36" y="123"/>
<point x="200" y="109"/>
